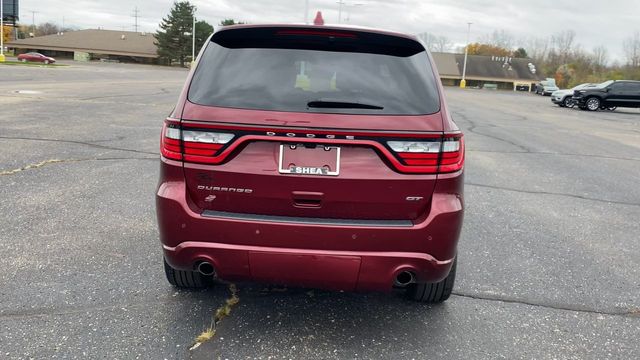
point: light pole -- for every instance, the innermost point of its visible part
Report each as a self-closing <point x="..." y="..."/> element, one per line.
<point x="463" y="82"/>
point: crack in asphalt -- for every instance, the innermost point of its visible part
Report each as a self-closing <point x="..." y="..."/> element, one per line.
<point x="55" y="161"/>
<point x="31" y="166"/>
<point x="472" y="129"/>
<point x="526" y="150"/>
<point x="221" y="313"/>
<point x="628" y="313"/>
<point x="557" y="154"/>
<point x="85" y="101"/>
<point x="79" y="143"/>
<point x="554" y="194"/>
<point x="161" y="92"/>
<point x="43" y="312"/>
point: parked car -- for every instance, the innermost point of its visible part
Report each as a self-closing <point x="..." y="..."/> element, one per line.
<point x="36" y="57"/>
<point x="564" y="98"/>
<point x="609" y="95"/>
<point x="546" y="87"/>
<point x="318" y="156"/>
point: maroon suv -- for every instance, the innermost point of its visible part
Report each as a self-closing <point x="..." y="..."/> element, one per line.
<point x="315" y="156"/>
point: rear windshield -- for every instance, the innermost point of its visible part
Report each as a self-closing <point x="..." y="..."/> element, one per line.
<point x="355" y="74"/>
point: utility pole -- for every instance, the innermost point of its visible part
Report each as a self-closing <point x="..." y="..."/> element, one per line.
<point x="33" y="22"/>
<point x="340" y="4"/>
<point x="1" y="31"/>
<point x="463" y="82"/>
<point x="193" y="39"/>
<point x="135" y="16"/>
<point x="352" y="6"/>
<point x="62" y="28"/>
<point x="306" y="11"/>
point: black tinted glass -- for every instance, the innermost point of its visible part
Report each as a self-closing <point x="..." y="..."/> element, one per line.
<point x="308" y="80"/>
<point x="632" y="87"/>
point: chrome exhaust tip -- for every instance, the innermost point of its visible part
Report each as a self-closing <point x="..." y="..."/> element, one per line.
<point x="404" y="278"/>
<point x="205" y="268"/>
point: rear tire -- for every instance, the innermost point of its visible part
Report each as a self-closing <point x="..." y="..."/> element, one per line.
<point x="434" y="293"/>
<point x="185" y="279"/>
<point x="23" y="60"/>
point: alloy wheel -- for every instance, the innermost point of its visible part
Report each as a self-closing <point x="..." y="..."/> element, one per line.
<point x="593" y="104"/>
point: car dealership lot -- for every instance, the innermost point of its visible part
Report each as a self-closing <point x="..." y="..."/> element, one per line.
<point x="549" y="255"/>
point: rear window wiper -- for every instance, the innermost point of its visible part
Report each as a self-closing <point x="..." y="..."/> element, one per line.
<point x="332" y="104"/>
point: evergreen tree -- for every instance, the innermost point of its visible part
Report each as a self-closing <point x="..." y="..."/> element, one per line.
<point x="227" y="22"/>
<point x="203" y="30"/>
<point x="520" y="53"/>
<point x="174" y="37"/>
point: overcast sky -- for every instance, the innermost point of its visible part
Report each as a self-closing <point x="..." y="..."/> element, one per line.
<point x="595" y="22"/>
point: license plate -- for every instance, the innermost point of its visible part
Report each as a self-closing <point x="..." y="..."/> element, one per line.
<point x="301" y="160"/>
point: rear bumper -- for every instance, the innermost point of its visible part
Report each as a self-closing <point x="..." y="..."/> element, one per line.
<point x="329" y="254"/>
<point x="338" y="270"/>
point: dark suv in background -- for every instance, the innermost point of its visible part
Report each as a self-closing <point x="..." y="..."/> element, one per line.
<point x="608" y="95"/>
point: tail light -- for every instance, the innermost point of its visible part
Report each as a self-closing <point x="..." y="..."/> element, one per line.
<point x="192" y="145"/>
<point x="452" y="157"/>
<point x="431" y="155"/>
<point x="170" y="146"/>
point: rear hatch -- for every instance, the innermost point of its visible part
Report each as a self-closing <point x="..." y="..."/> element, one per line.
<point x="313" y="123"/>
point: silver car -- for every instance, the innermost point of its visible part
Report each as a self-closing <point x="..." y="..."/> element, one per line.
<point x="563" y="98"/>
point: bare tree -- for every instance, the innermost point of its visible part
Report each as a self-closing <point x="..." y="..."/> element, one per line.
<point x="427" y="38"/>
<point x="500" y="38"/>
<point x="632" y="49"/>
<point x="600" y="57"/>
<point x="435" y="43"/>
<point x="537" y="48"/>
<point x="563" y="44"/>
<point x="442" y="44"/>
<point x="47" y="29"/>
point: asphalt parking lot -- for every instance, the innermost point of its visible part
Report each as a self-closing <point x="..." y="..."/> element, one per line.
<point x="549" y="259"/>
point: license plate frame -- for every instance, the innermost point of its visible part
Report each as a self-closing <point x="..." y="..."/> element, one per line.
<point x="302" y="169"/>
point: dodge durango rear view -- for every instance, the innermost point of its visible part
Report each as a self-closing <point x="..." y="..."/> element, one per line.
<point x="315" y="156"/>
